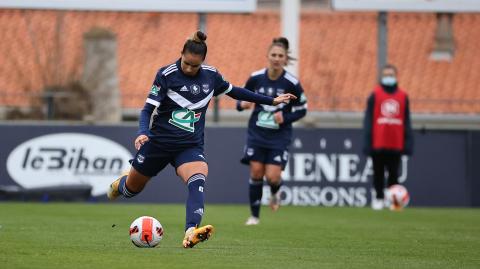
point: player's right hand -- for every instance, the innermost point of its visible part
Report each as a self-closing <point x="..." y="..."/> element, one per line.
<point x="140" y="140"/>
<point x="284" y="98"/>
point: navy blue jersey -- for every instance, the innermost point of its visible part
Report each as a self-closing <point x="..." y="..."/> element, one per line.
<point x="181" y="102"/>
<point x="263" y="131"/>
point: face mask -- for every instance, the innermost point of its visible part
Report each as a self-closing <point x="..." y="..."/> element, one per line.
<point x="389" y="80"/>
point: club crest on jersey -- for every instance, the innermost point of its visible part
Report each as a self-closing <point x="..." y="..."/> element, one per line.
<point x="270" y="91"/>
<point x="154" y="90"/>
<point x="185" y="119"/>
<point x="205" y="88"/>
<point x="140" y="158"/>
<point x="194" y="89"/>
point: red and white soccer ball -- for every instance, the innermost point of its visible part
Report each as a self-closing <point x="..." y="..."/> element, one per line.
<point x="146" y="232"/>
<point x="398" y="197"/>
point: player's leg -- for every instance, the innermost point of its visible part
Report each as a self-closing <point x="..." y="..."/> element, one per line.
<point x="392" y="164"/>
<point x="276" y="162"/>
<point x="255" y="158"/>
<point x="128" y="185"/>
<point x="378" y="180"/>
<point x="148" y="161"/>
<point x="193" y="170"/>
<point x="273" y="175"/>
<point x="255" y="191"/>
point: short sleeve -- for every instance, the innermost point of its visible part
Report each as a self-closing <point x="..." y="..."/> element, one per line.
<point x="157" y="91"/>
<point x="221" y="85"/>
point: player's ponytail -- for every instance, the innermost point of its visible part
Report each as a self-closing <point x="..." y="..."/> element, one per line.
<point x="196" y="44"/>
<point x="283" y="43"/>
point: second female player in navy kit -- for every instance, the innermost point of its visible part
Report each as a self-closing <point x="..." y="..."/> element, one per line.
<point x="270" y="126"/>
<point x="171" y="129"/>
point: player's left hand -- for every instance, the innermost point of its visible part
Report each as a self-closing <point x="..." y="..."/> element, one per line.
<point x="283" y="98"/>
<point x="278" y="116"/>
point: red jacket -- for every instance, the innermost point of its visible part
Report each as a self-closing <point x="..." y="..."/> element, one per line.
<point x="387" y="124"/>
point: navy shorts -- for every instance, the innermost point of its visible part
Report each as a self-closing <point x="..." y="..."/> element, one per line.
<point x="150" y="159"/>
<point x="265" y="155"/>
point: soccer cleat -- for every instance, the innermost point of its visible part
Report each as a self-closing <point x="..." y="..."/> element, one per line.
<point x="275" y="201"/>
<point x="194" y="235"/>
<point x="252" y="221"/>
<point x="113" y="192"/>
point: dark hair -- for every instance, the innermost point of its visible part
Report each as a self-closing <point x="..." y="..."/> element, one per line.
<point x="196" y="44"/>
<point x="390" y="66"/>
<point x="283" y="43"/>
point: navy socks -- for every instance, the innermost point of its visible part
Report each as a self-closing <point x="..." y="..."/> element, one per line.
<point x="274" y="188"/>
<point x="123" y="189"/>
<point x="195" y="200"/>
<point x="255" y="191"/>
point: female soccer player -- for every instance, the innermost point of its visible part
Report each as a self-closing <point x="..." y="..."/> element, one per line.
<point x="270" y="126"/>
<point x="178" y="101"/>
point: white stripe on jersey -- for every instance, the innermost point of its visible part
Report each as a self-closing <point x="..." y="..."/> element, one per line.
<point x="170" y="71"/>
<point x="230" y="87"/>
<point x="153" y="102"/>
<point x="183" y="102"/>
<point x="291" y="78"/>
<point x="302" y="107"/>
<point x="169" y="68"/>
<point x="258" y="72"/>
<point x="208" y="67"/>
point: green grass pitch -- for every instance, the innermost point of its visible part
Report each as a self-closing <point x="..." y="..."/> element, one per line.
<point x="71" y="235"/>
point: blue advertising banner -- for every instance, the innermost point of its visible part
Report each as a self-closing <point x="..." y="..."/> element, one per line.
<point x="325" y="168"/>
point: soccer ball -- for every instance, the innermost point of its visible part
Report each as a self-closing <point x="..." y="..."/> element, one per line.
<point x="398" y="197"/>
<point x="146" y="232"/>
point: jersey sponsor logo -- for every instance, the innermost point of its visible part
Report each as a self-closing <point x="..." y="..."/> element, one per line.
<point x="205" y="88"/>
<point x="68" y="159"/>
<point x="185" y="119"/>
<point x="195" y="89"/>
<point x="280" y="91"/>
<point x="303" y="98"/>
<point x="267" y="120"/>
<point x="184" y="89"/>
<point x="154" y="90"/>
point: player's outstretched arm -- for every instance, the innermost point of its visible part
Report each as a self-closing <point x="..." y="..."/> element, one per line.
<point x="246" y="95"/>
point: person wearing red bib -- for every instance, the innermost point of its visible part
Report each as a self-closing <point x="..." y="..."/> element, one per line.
<point x="387" y="131"/>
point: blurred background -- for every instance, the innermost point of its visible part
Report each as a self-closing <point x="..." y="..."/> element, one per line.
<point x="88" y="69"/>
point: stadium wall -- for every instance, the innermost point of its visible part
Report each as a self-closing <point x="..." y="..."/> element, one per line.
<point x="326" y="166"/>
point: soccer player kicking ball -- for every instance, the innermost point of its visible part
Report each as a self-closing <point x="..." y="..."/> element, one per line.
<point x="180" y="96"/>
